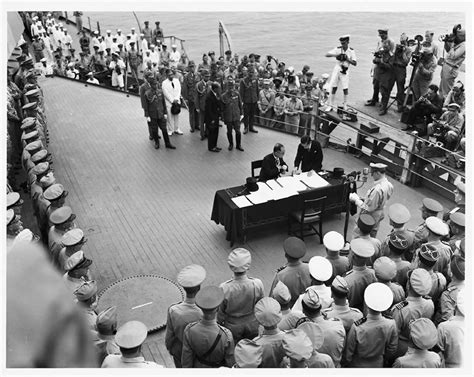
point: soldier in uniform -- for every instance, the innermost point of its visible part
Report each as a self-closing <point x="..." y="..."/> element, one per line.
<point x="133" y="59"/>
<point x="106" y="324"/>
<point x="315" y="334"/>
<point x="268" y="314"/>
<point x="426" y="258"/>
<point x="188" y="91"/>
<point x="249" y="94"/>
<point x="429" y="208"/>
<point x="130" y="337"/>
<point x="459" y="198"/>
<point x="423" y="336"/>
<point x="232" y="104"/>
<point x="295" y="274"/>
<point x="14" y="226"/>
<point x="202" y="89"/>
<point x="181" y="314"/>
<point x="147" y="75"/>
<point x="376" y="197"/>
<point x="447" y="301"/>
<point x="86" y="296"/>
<point x="415" y="306"/>
<point x="77" y="271"/>
<point x="360" y="276"/>
<point x="372" y="340"/>
<point x="398" y="244"/>
<point x="14" y="202"/>
<point x="457" y="226"/>
<point x="248" y="354"/>
<point x="398" y="215"/>
<point x="63" y="221"/>
<point x="386" y="271"/>
<point x="321" y="271"/>
<point x="451" y="335"/>
<point x="241" y="293"/>
<point x="437" y="230"/>
<point x="71" y="242"/>
<point x="333" y="328"/>
<point x="365" y="224"/>
<point x="340" y="307"/>
<point x="289" y="318"/>
<point x="56" y="195"/>
<point x="334" y="242"/>
<point x="206" y="344"/>
<point x="298" y="348"/>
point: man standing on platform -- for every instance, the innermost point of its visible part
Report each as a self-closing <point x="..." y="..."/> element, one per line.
<point x="345" y="57"/>
<point x="401" y="58"/>
<point x="232" y="110"/>
<point x="211" y="118"/>
<point x="309" y="156"/>
<point x="456" y="53"/>
<point x="202" y="89"/>
<point x="249" y="95"/>
<point x="172" y="92"/>
<point x="273" y="165"/>
<point x="376" y="197"/>
<point x="189" y="94"/>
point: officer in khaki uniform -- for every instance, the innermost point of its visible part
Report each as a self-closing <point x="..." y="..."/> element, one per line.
<point x="457" y="228"/>
<point x="321" y="271"/>
<point x="438" y="230"/>
<point x="63" y="221"/>
<point x="14" y="202"/>
<point x="86" y="296"/>
<point x="399" y="215"/>
<point x="340" y="307"/>
<point x="130" y="337"/>
<point x="365" y="224"/>
<point x="372" y="340"/>
<point x="14" y="226"/>
<point x="430" y="207"/>
<point x="77" y="270"/>
<point x="289" y="318"/>
<point x="447" y="301"/>
<point x="71" y="242"/>
<point x="268" y="314"/>
<point x="316" y="335"/>
<point x="106" y="324"/>
<point x="206" y="344"/>
<point x="334" y="242"/>
<point x="295" y="274"/>
<point x="183" y="313"/>
<point x="240" y="296"/>
<point x="298" y="348"/>
<point x="398" y="244"/>
<point x="248" y="354"/>
<point x="423" y="336"/>
<point x="333" y="328"/>
<point x="459" y="198"/>
<point x="360" y="276"/>
<point x="415" y="306"/>
<point x="451" y="335"/>
<point x="386" y="271"/>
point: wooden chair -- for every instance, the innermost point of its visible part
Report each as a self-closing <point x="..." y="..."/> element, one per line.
<point x="302" y="223"/>
<point x="254" y="166"/>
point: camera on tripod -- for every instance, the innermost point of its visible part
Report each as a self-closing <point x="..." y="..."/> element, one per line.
<point x="450" y="37"/>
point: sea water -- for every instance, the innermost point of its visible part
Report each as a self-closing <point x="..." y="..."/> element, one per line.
<point x="297" y="38"/>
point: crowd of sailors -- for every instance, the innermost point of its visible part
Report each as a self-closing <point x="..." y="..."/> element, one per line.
<point x="397" y="301"/>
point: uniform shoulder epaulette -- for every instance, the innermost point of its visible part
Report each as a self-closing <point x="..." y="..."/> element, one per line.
<point x="355" y="310"/>
<point x="332" y="319"/>
<point x="427" y="297"/>
<point x="228" y="281"/>
<point x="453" y="288"/>
<point x="303" y="320"/>
<point x="387" y="315"/>
<point x="348" y="272"/>
<point x="360" y="321"/>
<point x="401" y="305"/>
<point x="281" y="268"/>
<point x="350" y="48"/>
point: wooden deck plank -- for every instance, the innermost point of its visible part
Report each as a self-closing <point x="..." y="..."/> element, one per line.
<point x="149" y="210"/>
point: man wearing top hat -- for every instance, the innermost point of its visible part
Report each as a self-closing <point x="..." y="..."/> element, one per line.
<point x="376" y="197"/>
<point x="345" y="57"/>
<point x="181" y="314"/>
<point x="241" y="293"/>
<point x="372" y="340"/>
<point x="130" y="337"/>
<point x="206" y="344"/>
<point x="423" y="336"/>
<point x="295" y="274"/>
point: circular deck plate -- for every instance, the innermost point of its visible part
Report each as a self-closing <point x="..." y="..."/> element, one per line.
<point x="144" y="298"/>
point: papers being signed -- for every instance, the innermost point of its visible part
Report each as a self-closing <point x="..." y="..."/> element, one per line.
<point x="281" y="188"/>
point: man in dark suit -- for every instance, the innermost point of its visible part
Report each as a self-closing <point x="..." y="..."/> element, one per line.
<point x="211" y="117"/>
<point x="273" y="164"/>
<point x="309" y="155"/>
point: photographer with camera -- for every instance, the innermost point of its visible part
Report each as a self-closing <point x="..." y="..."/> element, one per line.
<point x="383" y="75"/>
<point x="345" y="57"/>
<point x="456" y="95"/>
<point x="389" y="46"/>
<point x="401" y="58"/>
<point x="118" y="68"/>
<point x="430" y="103"/>
<point x="449" y="126"/>
<point x="425" y="65"/>
<point x="455" y="48"/>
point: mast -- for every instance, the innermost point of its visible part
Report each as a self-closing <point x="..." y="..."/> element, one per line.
<point x="225" y="41"/>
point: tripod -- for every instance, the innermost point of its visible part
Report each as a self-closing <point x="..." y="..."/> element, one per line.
<point x="407" y="91"/>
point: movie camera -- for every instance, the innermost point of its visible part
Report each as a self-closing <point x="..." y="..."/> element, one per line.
<point x="452" y="36"/>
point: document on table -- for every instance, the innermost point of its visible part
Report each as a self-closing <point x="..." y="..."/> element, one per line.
<point x="292" y="183"/>
<point x="258" y="197"/>
<point x="264" y="189"/>
<point x="274" y="185"/>
<point x="241" y="201"/>
<point x="282" y="193"/>
<point x="315" y="181"/>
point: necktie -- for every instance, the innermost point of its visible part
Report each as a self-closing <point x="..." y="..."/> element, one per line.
<point x="172" y="84"/>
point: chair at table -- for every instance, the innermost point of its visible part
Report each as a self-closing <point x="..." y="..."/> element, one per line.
<point x="254" y="166"/>
<point x="302" y="223"/>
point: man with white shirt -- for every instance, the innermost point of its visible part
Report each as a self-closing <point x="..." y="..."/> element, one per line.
<point x="120" y="37"/>
<point x="155" y="56"/>
<point x="172" y="92"/>
<point x="135" y="38"/>
<point x="108" y="39"/>
<point x="143" y="44"/>
<point x="118" y="68"/>
<point x="175" y="56"/>
<point x="67" y="41"/>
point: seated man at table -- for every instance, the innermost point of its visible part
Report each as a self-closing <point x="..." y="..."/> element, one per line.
<point x="309" y="156"/>
<point x="273" y="165"/>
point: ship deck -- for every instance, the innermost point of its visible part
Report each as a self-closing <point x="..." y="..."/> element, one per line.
<point x="147" y="211"/>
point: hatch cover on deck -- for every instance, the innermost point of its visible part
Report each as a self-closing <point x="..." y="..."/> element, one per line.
<point x="144" y="298"/>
